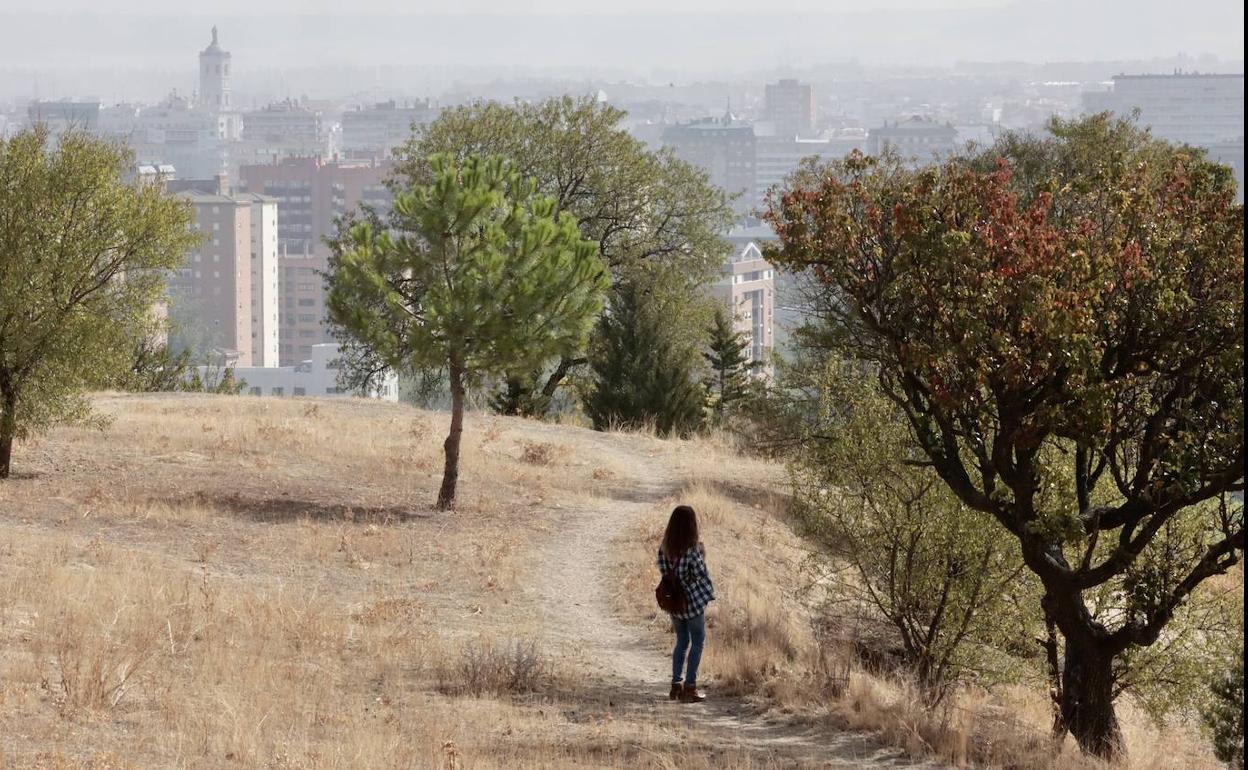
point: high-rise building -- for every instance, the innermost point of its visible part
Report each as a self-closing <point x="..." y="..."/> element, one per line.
<point x="214" y="77"/>
<point x="63" y="116"/>
<point x="265" y="310"/>
<point x="790" y="107"/>
<point x="211" y="293"/>
<point x="725" y="148"/>
<point x="776" y="157"/>
<point x="311" y="195"/>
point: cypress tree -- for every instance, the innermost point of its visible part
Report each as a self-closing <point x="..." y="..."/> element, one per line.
<point x="640" y="373"/>
<point x="730" y="365"/>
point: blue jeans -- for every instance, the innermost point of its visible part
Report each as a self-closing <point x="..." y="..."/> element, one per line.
<point x="690" y="636"/>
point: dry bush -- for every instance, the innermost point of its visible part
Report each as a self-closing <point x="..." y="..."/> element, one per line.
<point x="496" y="667"/>
<point x="540" y="453"/>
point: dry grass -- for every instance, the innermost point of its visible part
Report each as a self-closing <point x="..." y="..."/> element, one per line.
<point x="218" y="582"/>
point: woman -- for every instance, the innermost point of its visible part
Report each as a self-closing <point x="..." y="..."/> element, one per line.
<point x="682" y="553"/>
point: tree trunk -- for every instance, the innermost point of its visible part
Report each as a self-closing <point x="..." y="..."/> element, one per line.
<point x="450" y="473"/>
<point x="1087" y="699"/>
<point x="8" y="429"/>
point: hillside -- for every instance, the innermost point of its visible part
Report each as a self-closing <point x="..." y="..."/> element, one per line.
<point x="237" y="582"/>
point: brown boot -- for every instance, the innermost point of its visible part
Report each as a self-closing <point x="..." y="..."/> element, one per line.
<point x="690" y="694"/>
<point x="677" y="689"/>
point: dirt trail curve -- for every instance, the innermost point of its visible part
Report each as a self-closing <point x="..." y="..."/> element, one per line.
<point x="576" y="582"/>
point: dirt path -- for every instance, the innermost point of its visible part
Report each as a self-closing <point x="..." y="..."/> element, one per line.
<point x="576" y="580"/>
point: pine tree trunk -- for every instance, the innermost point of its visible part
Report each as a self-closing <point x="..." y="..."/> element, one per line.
<point x="1087" y="699"/>
<point x="450" y="473"/>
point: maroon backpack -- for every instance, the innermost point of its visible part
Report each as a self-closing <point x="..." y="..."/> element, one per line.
<point x="670" y="594"/>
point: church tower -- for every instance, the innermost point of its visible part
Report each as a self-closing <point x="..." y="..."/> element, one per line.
<point x="214" y="77"/>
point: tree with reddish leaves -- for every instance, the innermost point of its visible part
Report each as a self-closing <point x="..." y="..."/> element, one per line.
<point x="1060" y="320"/>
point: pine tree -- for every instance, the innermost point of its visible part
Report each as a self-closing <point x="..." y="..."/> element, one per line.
<point x="641" y="373"/>
<point x="730" y="365"/>
<point x="476" y="274"/>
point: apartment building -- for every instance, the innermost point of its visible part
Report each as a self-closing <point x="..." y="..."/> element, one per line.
<point x="725" y="148"/>
<point x="311" y="195"/>
<point x="790" y="107"/>
<point x="1204" y="111"/>
<point x="213" y="287"/>
<point x="917" y="139"/>
<point x="376" y="130"/>
<point x="747" y="288"/>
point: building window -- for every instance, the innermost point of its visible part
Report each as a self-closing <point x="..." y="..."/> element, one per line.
<point x="255" y="391"/>
<point x="331" y="391"/>
<point x="278" y="391"/>
<point x="298" y="391"/>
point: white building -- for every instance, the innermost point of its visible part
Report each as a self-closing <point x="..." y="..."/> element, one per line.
<point x="264" y="280"/>
<point x="316" y="377"/>
<point x="1195" y="109"/>
<point x="747" y="288"/>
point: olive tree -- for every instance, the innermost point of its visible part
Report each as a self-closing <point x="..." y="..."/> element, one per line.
<point x="83" y="259"/>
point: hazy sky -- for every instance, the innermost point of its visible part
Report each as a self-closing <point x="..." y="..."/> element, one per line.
<point x="643" y="38"/>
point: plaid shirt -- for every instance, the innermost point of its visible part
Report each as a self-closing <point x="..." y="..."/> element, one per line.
<point x="694" y="578"/>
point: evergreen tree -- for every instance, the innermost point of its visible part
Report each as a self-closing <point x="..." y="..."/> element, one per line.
<point x="641" y="372"/>
<point x="730" y="365"/>
<point x="476" y="274"/>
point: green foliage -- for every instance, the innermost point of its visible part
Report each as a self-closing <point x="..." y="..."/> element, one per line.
<point x="729" y="361"/>
<point x="898" y="546"/>
<point x="83" y="258"/>
<point x="155" y="368"/>
<point x="648" y="212"/>
<point x="477" y="274"/>
<point x="1225" y="716"/>
<point x="1061" y="321"/>
<point x="641" y="373"/>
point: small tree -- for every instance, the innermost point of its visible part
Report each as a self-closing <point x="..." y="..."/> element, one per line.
<point x="155" y="368"/>
<point x="83" y="258"/>
<point x="898" y="545"/>
<point x="1225" y="716"/>
<point x="477" y="275"/>
<point x="1061" y="321"/>
<point x="640" y="374"/>
<point x="730" y="365"/>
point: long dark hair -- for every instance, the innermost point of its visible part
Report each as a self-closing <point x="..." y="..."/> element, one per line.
<point x="681" y="534"/>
